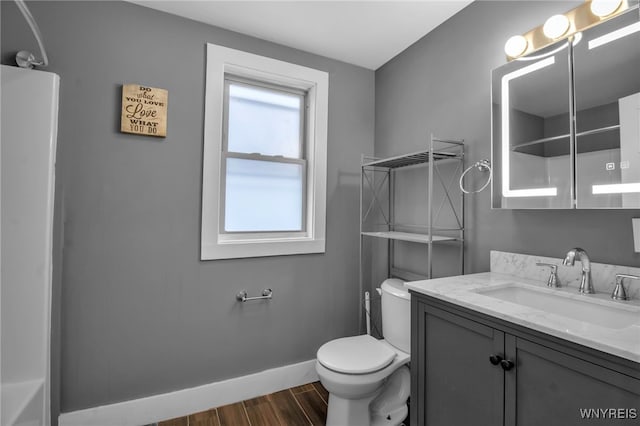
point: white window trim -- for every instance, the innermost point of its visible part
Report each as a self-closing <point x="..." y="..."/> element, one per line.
<point x="217" y="245"/>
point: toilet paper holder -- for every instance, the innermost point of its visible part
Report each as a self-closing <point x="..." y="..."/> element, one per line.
<point x="267" y="293"/>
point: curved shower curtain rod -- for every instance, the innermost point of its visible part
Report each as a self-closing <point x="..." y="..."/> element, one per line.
<point x="27" y="59"/>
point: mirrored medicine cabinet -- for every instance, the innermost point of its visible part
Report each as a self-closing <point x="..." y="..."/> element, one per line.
<point x="566" y="122"/>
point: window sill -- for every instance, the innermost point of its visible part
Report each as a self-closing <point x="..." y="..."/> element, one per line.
<point x="238" y="249"/>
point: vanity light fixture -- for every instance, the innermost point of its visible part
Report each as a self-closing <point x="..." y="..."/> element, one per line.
<point x="556" y="26"/>
<point x="577" y="37"/>
<point x="566" y="25"/>
<point x="604" y="8"/>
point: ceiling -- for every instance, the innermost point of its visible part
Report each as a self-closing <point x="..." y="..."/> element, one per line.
<point x="364" y="33"/>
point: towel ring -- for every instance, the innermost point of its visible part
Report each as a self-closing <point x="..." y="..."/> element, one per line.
<point x="483" y="166"/>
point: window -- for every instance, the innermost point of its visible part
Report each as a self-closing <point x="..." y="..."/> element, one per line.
<point x="264" y="177"/>
<point x="263" y="156"/>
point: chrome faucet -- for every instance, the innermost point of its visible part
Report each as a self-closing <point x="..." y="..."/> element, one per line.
<point x="586" y="286"/>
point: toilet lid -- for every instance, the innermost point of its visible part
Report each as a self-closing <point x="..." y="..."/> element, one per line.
<point x="355" y="355"/>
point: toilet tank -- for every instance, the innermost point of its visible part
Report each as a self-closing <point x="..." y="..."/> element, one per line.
<point x="396" y="314"/>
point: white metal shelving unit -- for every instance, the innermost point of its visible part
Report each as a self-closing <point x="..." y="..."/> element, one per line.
<point x="378" y="179"/>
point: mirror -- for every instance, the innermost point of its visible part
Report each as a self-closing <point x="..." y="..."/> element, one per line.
<point x="541" y="159"/>
<point x="607" y="96"/>
<point x="531" y="144"/>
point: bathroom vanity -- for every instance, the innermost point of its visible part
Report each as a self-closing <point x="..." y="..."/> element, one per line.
<point x="499" y="349"/>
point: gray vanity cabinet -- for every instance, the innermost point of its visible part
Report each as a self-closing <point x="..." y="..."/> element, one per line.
<point x="549" y="387"/>
<point x="472" y="369"/>
<point x="455" y="384"/>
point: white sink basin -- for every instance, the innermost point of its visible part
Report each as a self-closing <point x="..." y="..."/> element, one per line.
<point x="579" y="307"/>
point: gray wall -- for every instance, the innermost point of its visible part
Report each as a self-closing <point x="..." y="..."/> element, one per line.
<point x="140" y="314"/>
<point x="441" y="84"/>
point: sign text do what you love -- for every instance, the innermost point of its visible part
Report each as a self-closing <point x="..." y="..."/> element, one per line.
<point x="144" y="110"/>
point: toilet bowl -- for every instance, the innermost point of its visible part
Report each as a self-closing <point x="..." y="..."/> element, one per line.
<point x="367" y="379"/>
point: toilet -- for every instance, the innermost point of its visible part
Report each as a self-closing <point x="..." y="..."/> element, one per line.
<point x="368" y="379"/>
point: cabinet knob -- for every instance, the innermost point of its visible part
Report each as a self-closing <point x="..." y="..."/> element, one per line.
<point x="507" y="364"/>
<point x="495" y="359"/>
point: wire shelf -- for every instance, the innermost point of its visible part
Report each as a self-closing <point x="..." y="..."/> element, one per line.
<point x="411" y="159"/>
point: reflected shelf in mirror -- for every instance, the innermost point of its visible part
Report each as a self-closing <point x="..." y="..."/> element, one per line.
<point x="561" y="137"/>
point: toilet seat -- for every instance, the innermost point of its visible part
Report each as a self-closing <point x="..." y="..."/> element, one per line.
<point x="355" y="355"/>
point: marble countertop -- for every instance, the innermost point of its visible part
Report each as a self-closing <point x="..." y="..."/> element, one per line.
<point x="461" y="290"/>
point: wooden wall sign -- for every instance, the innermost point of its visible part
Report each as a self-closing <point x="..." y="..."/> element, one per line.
<point x="144" y="110"/>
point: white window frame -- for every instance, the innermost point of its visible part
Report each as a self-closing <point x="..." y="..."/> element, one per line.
<point x="215" y="243"/>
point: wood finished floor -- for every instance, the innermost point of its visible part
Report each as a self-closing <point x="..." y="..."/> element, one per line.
<point x="300" y="406"/>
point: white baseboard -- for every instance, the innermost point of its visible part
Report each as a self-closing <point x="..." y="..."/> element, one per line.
<point x="193" y="400"/>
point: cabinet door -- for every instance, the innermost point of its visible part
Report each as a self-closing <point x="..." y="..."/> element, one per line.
<point x="548" y="387"/>
<point x="607" y="98"/>
<point x="461" y="387"/>
<point x="531" y="132"/>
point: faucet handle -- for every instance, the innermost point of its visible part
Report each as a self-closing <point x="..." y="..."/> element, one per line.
<point x="619" y="292"/>
<point x="553" y="276"/>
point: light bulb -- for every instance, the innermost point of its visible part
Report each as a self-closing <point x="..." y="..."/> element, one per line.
<point x="515" y="46"/>
<point x="556" y="26"/>
<point x="603" y="8"/>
